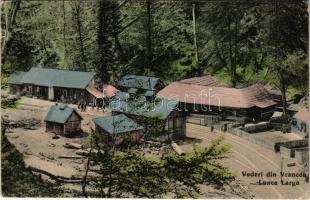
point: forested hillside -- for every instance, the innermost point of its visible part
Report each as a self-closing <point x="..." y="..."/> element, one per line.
<point x="243" y="42"/>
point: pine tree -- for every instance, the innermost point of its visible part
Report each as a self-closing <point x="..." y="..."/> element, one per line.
<point x="107" y="38"/>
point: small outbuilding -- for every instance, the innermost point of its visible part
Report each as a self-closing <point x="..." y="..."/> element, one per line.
<point x="116" y="129"/>
<point x="63" y="120"/>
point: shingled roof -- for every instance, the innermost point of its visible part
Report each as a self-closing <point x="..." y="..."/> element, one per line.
<point x="117" y="124"/>
<point x="140" y="82"/>
<point x="60" y="113"/>
<point x="255" y="95"/>
<point x="57" y="78"/>
<point x="206" y="80"/>
<point x="303" y="115"/>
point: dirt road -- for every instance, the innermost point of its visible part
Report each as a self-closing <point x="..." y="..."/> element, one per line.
<point x="248" y="157"/>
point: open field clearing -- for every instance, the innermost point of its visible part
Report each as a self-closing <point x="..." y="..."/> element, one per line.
<point x="43" y="152"/>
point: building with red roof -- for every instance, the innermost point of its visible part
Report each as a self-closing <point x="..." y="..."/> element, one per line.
<point x="253" y="101"/>
<point x="205" y="80"/>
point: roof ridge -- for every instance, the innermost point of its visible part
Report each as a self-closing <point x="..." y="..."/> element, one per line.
<point x="60" y="69"/>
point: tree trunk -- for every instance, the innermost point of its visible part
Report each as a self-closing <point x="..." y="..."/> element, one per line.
<point x="149" y="35"/>
<point x="235" y="54"/>
<point x="232" y="73"/>
<point x="84" y="183"/>
<point x="283" y="94"/>
<point x="81" y="43"/>
<point x="194" y="31"/>
<point x="10" y="23"/>
<point x="80" y="37"/>
<point x="64" y="29"/>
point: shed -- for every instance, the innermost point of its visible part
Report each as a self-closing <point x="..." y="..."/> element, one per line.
<point x="62" y="119"/>
<point x="116" y="129"/>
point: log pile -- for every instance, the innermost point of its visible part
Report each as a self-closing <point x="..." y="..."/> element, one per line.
<point x="9" y="101"/>
<point x="261" y="126"/>
<point x="177" y="148"/>
<point x="71" y="145"/>
<point x="25" y="123"/>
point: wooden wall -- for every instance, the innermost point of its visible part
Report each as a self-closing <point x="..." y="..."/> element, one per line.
<point x="73" y="125"/>
<point x="108" y="138"/>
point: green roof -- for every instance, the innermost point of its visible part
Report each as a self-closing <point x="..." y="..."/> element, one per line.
<point x="132" y="90"/>
<point x="57" y="78"/>
<point x="121" y="95"/>
<point x="159" y="108"/>
<point x="140" y="82"/>
<point x="117" y="124"/>
<point x="149" y="93"/>
<point x="16" y="77"/>
<point x="59" y="113"/>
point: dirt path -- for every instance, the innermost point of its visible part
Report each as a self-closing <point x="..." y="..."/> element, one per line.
<point x="246" y="156"/>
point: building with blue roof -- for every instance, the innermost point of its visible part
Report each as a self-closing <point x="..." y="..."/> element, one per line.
<point x="63" y="120"/>
<point x="140" y="85"/>
<point x="117" y="128"/>
<point x="52" y="84"/>
<point x="156" y="115"/>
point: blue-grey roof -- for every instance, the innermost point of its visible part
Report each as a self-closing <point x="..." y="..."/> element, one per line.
<point x="140" y="82"/>
<point x="16" y="77"/>
<point x="159" y="108"/>
<point x="149" y="93"/>
<point x="57" y="78"/>
<point x="132" y="90"/>
<point x="121" y="95"/>
<point x="59" y="113"/>
<point x="117" y="124"/>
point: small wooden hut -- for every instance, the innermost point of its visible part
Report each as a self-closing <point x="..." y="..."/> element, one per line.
<point x="63" y="120"/>
<point x="116" y="129"/>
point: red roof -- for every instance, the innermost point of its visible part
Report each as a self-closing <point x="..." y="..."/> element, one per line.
<point x="206" y="80"/>
<point x="96" y="93"/>
<point x="109" y="90"/>
<point x="303" y="115"/>
<point x="255" y="95"/>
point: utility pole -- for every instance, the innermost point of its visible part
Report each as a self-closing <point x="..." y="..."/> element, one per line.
<point x="194" y="30"/>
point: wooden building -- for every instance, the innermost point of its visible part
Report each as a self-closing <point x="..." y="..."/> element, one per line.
<point x="100" y="96"/>
<point x="116" y="129"/>
<point x="52" y="84"/>
<point x="63" y="120"/>
<point x="156" y="116"/>
<point x="252" y="102"/>
<point x="300" y="122"/>
<point x="140" y="85"/>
